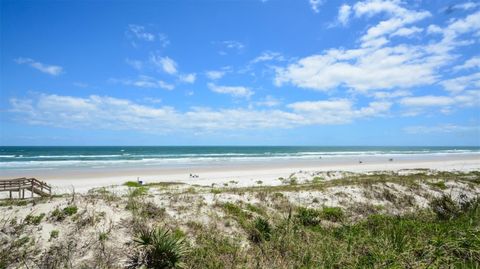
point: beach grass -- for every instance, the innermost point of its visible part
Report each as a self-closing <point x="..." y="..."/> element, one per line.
<point x="420" y="219"/>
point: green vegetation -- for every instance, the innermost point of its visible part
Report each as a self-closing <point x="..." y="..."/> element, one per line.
<point x="54" y="234"/>
<point x="102" y="237"/>
<point x="13" y="202"/>
<point x="425" y="239"/>
<point x="216" y="191"/>
<point x="260" y="230"/>
<point x="157" y="248"/>
<point x="308" y="216"/>
<point x="255" y="209"/>
<point x="332" y="214"/>
<point x="132" y="184"/>
<point x="261" y="226"/>
<point x="140" y="191"/>
<point x="439" y="184"/>
<point x="163" y="184"/>
<point x="35" y="220"/>
<point x="70" y="210"/>
<point x="60" y="215"/>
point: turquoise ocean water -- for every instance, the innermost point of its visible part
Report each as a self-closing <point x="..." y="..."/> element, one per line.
<point x="120" y="156"/>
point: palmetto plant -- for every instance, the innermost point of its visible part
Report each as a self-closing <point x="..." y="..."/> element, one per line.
<point x="157" y="248"/>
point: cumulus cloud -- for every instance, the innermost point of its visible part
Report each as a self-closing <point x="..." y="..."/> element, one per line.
<point x="235" y="91"/>
<point x="399" y="17"/>
<point x="167" y="64"/>
<point x="215" y="74"/>
<point x="361" y="69"/>
<point x="53" y="70"/>
<point x="407" y="32"/>
<point x="462" y="6"/>
<point x="462" y="83"/>
<point x="120" y="114"/>
<point x="336" y="111"/>
<point x="188" y="78"/>
<point x="471" y="63"/>
<point x="315" y="5"/>
<point x="344" y="14"/>
<point x="377" y="64"/>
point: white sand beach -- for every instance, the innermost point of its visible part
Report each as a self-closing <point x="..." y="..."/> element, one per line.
<point x="243" y="174"/>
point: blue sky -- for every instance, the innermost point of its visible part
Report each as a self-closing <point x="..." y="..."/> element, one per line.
<point x="371" y="72"/>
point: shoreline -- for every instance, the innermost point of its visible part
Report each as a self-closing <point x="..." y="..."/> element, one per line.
<point x="246" y="174"/>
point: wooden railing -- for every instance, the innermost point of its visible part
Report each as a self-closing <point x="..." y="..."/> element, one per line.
<point x="21" y="184"/>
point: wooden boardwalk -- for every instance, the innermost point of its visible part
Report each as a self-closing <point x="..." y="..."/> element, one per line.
<point x="19" y="185"/>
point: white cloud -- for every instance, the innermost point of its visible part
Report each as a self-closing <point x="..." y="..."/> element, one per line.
<point x="188" y="78"/>
<point x="399" y="17"/>
<point x="428" y="100"/>
<point x="236" y="91"/>
<point x="462" y="83"/>
<point x="462" y="6"/>
<point x="445" y="104"/>
<point x="53" y="70"/>
<point x="232" y="44"/>
<point x="152" y="100"/>
<point x="361" y="69"/>
<point x="215" y="74"/>
<point x="167" y="64"/>
<point x="468" y="5"/>
<point x="268" y="101"/>
<point x="145" y="82"/>
<point x="119" y="114"/>
<point x="391" y="94"/>
<point x="375" y="65"/>
<point x="315" y="5"/>
<point x="139" y="32"/>
<point x="434" y="29"/>
<point x="406" y="32"/>
<point x="442" y="128"/>
<point x="268" y="56"/>
<point x="336" y="111"/>
<point x="344" y="14"/>
<point x="471" y="63"/>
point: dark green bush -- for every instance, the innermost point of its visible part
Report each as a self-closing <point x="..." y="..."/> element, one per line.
<point x="308" y="216"/>
<point x="70" y="210"/>
<point x="157" y="248"/>
<point x="260" y="230"/>
<point x="445" y="208"/>
<point x="332" y="214"/>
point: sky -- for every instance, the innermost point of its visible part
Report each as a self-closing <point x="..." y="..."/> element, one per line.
<point x="271" y="72"/>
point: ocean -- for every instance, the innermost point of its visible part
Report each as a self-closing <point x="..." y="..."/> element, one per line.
<point x="136" y="156"/>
